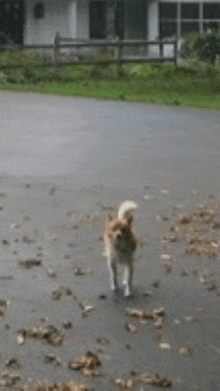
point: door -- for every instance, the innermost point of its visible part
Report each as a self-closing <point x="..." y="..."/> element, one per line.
<point x="12" y="21"/>
<point x="97" y="19"/>
<point x="120" y="19"/>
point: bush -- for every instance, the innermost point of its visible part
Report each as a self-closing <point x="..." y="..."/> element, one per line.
<point x="17" y="57"/>
<point x="204" y="47"/>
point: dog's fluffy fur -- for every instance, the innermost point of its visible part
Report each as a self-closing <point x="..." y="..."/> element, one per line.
<point x="120" y="245"/>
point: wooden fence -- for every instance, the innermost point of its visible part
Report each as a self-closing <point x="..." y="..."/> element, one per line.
<point x="113" y="50"/>
<point x="118" y="47"/>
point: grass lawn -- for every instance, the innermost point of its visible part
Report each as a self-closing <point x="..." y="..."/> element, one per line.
<point x="194" y="85"/>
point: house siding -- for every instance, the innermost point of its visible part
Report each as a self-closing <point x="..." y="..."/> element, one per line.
<point x="59" y="17"/>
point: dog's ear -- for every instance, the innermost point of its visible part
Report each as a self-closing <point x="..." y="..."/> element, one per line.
<point x="110" y="217"/>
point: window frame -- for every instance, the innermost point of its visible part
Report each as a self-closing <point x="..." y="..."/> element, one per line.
<point x="202" y="22"/>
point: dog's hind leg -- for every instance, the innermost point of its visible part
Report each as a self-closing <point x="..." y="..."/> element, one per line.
<point x="113" y="275"/>
<point x="127" y="279"/>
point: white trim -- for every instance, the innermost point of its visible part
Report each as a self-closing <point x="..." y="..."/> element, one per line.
<point x="73" y="19"/>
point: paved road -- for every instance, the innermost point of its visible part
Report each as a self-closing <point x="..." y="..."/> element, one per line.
<point x="92" y="140"/>
<point x="63" y="163"/>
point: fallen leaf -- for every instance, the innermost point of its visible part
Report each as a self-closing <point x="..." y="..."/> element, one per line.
<point x="186" y="351"/>
<point x="130" y="327"/>
<point x="149" y="197"/>
<point x="139" y="313"/>
<point x="170" y="238"/>
<point x="12" y="363"/>
<point x="52" y="359"/>
<point x="62" y="292"/>
<point x="48" y="333"/>
<point x="158" y="323"/>
<point x="87" y="363"/>
<point x="78" y="271"/>
<point x="165" y="345"/>
<point x="103" y="341"/>
<point x="156" y="380"/>
<point x="69" y="386"/>
<point x="159" y="311"/>
<point x="51" y="272"/>
<point x="29" y="263"/>
<point x="166" y="257"/>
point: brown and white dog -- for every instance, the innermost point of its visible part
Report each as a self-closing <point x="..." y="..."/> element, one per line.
<point x="120" y="245"/>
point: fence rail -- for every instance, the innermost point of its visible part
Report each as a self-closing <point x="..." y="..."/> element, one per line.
<point x="119" y="45"/>
<point x="116" y="45"/>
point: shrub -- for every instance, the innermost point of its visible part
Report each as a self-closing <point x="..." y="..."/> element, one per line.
<point x="204" y="47"/>
<point x="17" y="57"/>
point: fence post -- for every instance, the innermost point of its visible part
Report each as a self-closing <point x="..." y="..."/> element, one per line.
<point x="175" y="49"/>
<point x="56" y="47"/>
<point x="119" y="46"/>
<point x="161" y="50"/>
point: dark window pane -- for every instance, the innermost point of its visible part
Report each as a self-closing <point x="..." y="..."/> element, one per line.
<point x="39" y="10"/>
<point x="168" y="10"/>
<point x="188" y="27"/>
<point x="189" y="10"/>
<point x="97" y="18"/>
<point x="211" y="26"/>
<point x="211" y="11"/>
<point x="168" y="29"/>
<point x="12" y="21"/>
<point x="119" y="19"/>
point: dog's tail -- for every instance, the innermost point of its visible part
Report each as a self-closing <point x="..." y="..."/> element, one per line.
<point x="125" y="208"/>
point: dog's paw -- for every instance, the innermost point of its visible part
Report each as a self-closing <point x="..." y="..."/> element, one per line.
<point x="114" y="288"/>
<point x="127" y="292"/>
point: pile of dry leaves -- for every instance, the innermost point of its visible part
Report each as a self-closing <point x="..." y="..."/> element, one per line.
<point x="156" y="315"/>
<point x="48" y="333"/>
<point x="199" y="229"/>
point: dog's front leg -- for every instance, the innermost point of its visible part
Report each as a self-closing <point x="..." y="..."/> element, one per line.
<point x="127" y="280"/>
<point x="113" y="275"/>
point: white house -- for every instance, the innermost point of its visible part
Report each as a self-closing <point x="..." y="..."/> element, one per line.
<point x="37" y="21"/>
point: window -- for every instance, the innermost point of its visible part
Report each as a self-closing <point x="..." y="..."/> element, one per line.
<point x="97" y="19"/>
<point x="189" y="11"/>
<point x="211" y="26"/>
<point x="179" y="19"/>
<point x="211" y="11"/>
<point x="39" y="10"/>
<point x="168" y="29"/>
<point x="168" y="20"/>
<point x="12" y="20"/>
<point x="188" y="27"/>
<point x="168" y="10"/>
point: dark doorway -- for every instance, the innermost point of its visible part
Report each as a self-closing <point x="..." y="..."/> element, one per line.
<point x="97" y="19"/>
<point x="120" y="19"/>
<point x="12" y="20"/>
<point x="136" y="19"/>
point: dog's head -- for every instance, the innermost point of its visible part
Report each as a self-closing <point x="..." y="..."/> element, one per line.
<point x="120" y="234"/>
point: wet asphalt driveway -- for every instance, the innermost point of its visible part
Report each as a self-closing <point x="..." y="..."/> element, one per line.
<point x="64" y="164"/>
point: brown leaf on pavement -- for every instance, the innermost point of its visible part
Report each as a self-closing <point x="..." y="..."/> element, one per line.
<point x="87" y="363"/>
